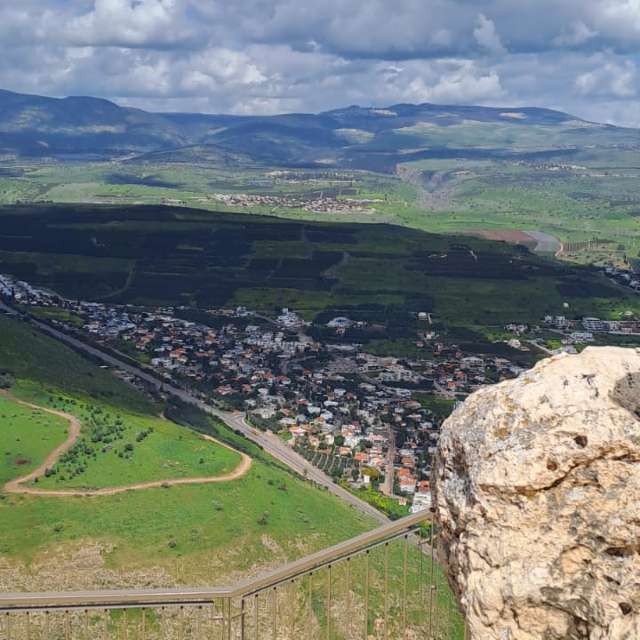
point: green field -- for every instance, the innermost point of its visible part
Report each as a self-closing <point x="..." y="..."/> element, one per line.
<point x="379" y="273"/>
<point x="117" y="449"/>
<point x="591" y="194"/>
<point x="26" y="437"/>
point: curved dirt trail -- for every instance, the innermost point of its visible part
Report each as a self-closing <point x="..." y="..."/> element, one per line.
<point x="16" y="485"/>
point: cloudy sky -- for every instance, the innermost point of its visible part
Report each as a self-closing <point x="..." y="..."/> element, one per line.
<point x="267" y="56"/>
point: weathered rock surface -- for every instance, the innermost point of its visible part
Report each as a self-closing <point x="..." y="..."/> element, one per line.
<point x="537" y="492"/>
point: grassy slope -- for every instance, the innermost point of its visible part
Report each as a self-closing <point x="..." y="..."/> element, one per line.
<point x="195" y="525"/>
<point x="266" y="264"/>
<point x="26" y="437"/>
<point x="599" y="199"/>
<point x="31" y="356"/>
<point x="160" y="450"/>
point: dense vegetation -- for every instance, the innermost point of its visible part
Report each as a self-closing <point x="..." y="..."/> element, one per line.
<point x="379" y="273"/>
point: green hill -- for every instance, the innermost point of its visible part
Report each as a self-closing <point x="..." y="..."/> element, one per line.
<point x="354" y="137"/>
<point x="380" y="273"/>
<point x="196" y="533"/>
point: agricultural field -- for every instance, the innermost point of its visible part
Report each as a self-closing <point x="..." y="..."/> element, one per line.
<point x="198" y="533"/>
<point x="296" y="194"/>
<point x="330" y="461"/>
<point x="588" y="204"/>
<point x="382" y="274"/>
<point x="453" y="169"/>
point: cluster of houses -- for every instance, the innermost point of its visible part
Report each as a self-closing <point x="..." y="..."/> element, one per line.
<point x="367" y="411"/>
<point x="319" y="203"/>
<point x="625" y="277"/>
<point x="583" y="331"/>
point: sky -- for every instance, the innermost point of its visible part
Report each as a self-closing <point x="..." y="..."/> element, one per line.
<point x="273" y="56"/>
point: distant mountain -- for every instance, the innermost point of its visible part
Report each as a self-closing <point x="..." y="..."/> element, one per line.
<point x="358" y="137"/>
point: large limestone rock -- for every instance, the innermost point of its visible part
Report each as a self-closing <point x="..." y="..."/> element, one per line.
<point x="537" y="492"/>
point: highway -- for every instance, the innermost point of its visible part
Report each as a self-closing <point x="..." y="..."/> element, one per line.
<point x="235" y="420"/>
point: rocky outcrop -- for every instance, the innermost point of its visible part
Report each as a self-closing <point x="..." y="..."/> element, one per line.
<point x="537" y="494"/>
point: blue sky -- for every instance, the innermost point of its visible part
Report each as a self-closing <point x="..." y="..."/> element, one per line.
<point x="268" y="56"/>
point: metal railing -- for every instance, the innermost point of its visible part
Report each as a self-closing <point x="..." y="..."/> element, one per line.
<point x="384" y="584"/>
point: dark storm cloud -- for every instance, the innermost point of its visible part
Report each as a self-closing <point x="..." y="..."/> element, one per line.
<point x="263" y="56"/>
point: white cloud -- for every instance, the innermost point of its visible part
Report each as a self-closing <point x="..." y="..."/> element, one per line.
<point x="609" y="79"/>
<point x="464" y="83"/>
<point x="580" y="56"/>
<point x="486" y="35"/>
<point x="577" y="34"/>
<point x="132" y="23"/>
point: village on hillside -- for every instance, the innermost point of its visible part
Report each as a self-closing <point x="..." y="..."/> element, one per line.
<point x="371" y="422"/>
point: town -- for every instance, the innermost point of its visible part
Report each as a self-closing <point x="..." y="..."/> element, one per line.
<point x="370" y="422"/>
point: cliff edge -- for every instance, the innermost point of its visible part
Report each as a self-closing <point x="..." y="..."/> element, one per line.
<point x="537" y="495"/>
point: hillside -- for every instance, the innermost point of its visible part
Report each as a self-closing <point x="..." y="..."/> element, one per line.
<point x="355" y="137"/>
<point x="506" y="173"/>
<point x="200" y="533"/>
<point x="382" y="274"/>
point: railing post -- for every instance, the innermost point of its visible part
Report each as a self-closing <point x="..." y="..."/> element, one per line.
<point x="275" y="613"/>
<point x="242" y="614"/>
<point x="386" y="591"/>
<point x="366" y="595"/>
<point x="227" y="617"/>
<point x="256" y="617"/>
<point x="432" y="585"/>
<point x="329" y="596"/>
<point x="348" y="597"/>
<point x="310" y="606"/>
<point x="404" y="585"/>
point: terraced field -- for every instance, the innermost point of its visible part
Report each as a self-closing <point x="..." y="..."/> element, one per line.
<point x="381" y="273"/>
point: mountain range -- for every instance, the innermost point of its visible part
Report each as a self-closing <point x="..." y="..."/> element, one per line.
<point x="353" y="137"/>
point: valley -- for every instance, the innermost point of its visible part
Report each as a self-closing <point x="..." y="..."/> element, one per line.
<point x="333" y="346"/>
<point x="442" y="169"/>
<point x="221" y="353"/>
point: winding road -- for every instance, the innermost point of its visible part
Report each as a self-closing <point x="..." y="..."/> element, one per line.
<point x="235" y="420"/>
<point x="17" y="484"/>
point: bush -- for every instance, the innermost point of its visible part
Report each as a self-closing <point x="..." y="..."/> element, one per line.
<point x="6" y="380"/>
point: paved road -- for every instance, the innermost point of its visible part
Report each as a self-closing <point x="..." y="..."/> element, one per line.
<point x="268" y="441"/>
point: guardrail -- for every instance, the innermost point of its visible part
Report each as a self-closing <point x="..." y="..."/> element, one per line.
<point x="384" y="584"/>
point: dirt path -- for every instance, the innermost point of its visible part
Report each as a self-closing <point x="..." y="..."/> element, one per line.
<point x="16" y="485"/>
